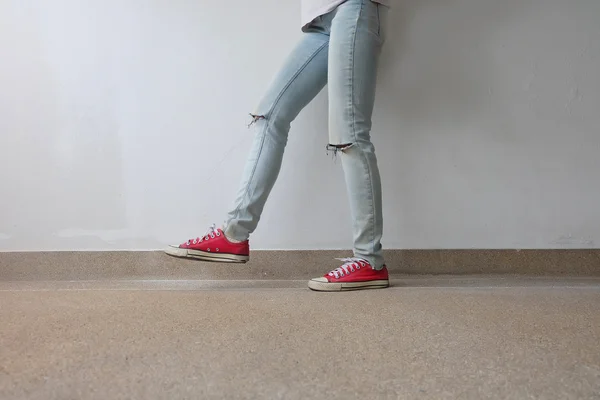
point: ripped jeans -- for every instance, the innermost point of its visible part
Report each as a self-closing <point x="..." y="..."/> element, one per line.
<point x="340" y="49"/>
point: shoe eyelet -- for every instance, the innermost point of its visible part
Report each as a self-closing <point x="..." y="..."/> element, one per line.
<point x="217" y="249"/>
<point x="208" y="249"/>
<point x="218" y="233"/>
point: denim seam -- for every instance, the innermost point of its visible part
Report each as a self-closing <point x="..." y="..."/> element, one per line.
<point x="362" y="152"/>
<point x="269" y="120"/>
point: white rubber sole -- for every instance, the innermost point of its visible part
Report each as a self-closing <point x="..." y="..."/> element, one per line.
<point x="176" y="251"/>
<point x="346" y="286"/>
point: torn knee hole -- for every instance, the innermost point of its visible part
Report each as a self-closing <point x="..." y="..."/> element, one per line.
<point x="255" y="119"/>
<point x="335" y="148"/>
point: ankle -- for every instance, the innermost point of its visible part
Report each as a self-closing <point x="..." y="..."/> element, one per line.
<point x="232" y="240"/>
<point x="230" y="234"/>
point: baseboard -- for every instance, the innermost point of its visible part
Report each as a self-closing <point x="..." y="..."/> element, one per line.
<point x="289" y="265"/>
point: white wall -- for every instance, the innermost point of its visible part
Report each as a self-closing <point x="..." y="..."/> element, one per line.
<point x="123" y="124"/>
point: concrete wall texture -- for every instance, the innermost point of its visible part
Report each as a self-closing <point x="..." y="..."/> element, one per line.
<point x="123" y="125"/>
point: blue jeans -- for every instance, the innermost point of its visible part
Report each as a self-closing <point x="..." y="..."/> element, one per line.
<point x="340" y="49"/>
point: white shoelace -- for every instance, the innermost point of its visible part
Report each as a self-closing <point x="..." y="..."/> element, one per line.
<point x="212" y="232"/>
<point x="350" y="265"/>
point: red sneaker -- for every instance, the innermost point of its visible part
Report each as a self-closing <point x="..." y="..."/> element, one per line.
<point x="214" y="246"/>
<point x="355" y="274"/>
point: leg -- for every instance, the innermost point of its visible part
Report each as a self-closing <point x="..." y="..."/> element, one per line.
<point x="302" y="77"/>
<point x="355" y="46"/>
